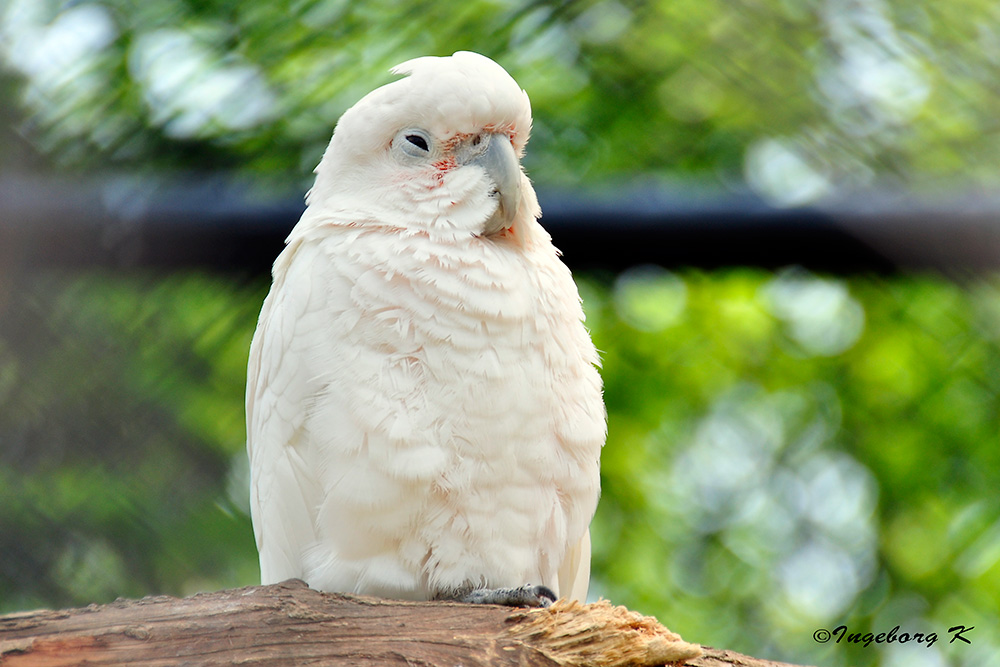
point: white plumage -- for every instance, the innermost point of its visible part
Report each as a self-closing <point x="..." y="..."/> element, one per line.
<point x="424" y="415"/>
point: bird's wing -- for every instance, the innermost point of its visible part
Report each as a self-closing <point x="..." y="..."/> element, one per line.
<point x="574" y="573"/>
<point x="285" y="492"/>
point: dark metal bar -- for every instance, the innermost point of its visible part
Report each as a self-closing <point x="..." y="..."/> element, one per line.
<point x="236" y="224"/>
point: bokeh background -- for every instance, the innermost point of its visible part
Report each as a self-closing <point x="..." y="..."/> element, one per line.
<point x="789" y="449"/>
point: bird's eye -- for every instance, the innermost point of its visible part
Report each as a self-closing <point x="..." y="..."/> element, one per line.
<point x="417" y="141"/>
<point x="412" y="143"/>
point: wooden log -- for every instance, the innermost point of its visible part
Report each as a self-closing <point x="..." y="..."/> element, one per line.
<point x="291" y="624"/>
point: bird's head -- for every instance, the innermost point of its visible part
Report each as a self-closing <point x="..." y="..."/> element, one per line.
<point x="438" y="149"/>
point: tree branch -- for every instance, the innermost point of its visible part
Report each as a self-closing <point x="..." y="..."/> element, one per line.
<point x="289" y="623"/>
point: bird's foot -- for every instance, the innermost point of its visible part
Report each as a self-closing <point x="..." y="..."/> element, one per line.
<point x="523" y="596"/>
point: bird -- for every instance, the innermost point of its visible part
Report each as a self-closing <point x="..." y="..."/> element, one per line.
<point x="424" y="407"/>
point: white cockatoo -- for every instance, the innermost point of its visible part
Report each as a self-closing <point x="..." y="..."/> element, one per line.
<point x="424" y="412"/>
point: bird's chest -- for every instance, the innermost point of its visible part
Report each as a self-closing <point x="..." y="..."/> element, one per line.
<point x="451" y="345"/>
<point x="447" y="416"/>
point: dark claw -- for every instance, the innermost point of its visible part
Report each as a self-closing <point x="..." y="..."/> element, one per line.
<point x="544" y="592"/>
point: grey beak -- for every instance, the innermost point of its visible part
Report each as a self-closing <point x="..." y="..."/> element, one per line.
<point x="500" y="163"/>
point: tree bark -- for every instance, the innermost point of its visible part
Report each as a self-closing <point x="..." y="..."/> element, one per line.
<point x="291" y="624"/>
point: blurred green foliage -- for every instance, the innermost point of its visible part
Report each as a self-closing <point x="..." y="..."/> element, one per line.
<point x="795" y="96"/>
<point x="122" y="430"/>
<point x="786" y="451"/>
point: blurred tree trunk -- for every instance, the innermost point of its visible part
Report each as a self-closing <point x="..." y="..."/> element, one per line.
<point x="289" y="623"/>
